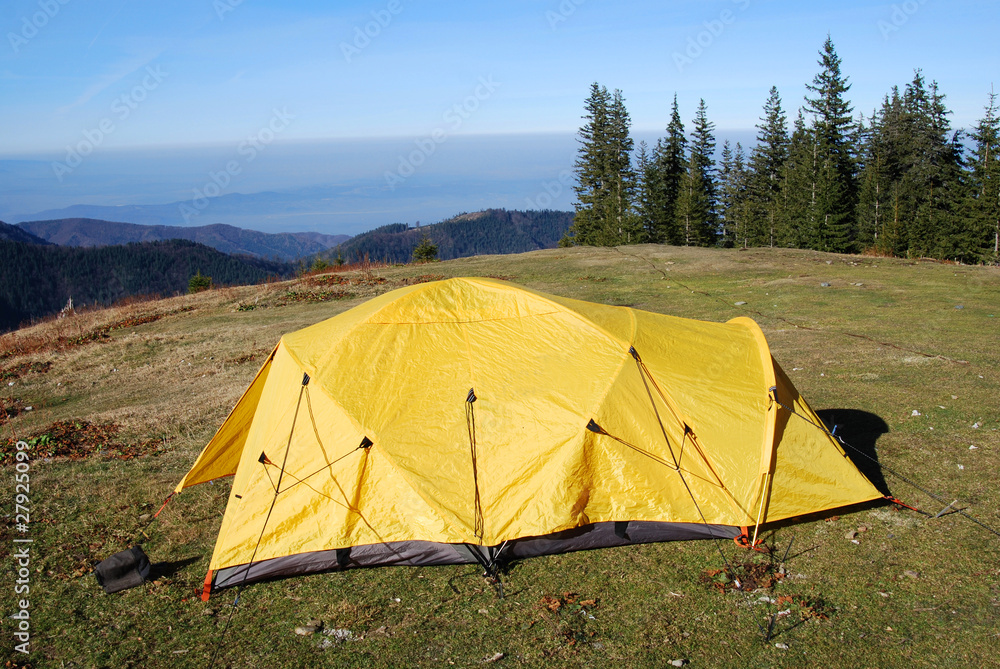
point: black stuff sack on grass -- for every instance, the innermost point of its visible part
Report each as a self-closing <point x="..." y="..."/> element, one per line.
<point x="123" y="570"/>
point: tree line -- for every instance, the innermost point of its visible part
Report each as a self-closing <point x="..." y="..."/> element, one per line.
<point x="900" y="182"/>
<point x="494" y="231"/>
<point x="36" y="280"/>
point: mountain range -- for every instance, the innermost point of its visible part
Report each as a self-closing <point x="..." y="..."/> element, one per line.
<point x="37" y="278"/>
<point x="486" y="232"/>
<point x="284" y="246"/>
<point x="44" y="263"/>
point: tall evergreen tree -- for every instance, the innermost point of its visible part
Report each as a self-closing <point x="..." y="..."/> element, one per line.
<point x="694" y="208"/>
<point x="929" y="173"/>
<point x="878" y="196"/>
<point x="591" y="167"/>
<point x="668" y="165"/>
<point x="702" y="166"/>
<point x="834" y="129"/>
<point x="605" y="181"/>
<point x="767" y="160"/>
<point x="798" y="191"/>
<point x="733" y="196"/>
<point x="644" y="172"/>
<point x="983" y="193"/>
<point x="625" y="225"/>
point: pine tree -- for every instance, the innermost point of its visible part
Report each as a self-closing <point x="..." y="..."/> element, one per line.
<point x="798" y="191"/>
<point x="605" y="181"/>
<point x="834" y="128"/>
<point x="983" y="191"/>
<point x="767" y="160"/>
<point x="878" y="196"/>
<point x="591" y="167"/>
<point x="701" y="167"/>
<point x="693" y="208"/>
<point x="929" y="173"/>
<point x="644" y="169"/>
<point x="733" y="196"/>
<point x="622" y="217"/>
<point x="663" y="181"/>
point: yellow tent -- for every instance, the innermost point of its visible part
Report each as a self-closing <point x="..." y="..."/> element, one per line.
<point x="472" y="420"/>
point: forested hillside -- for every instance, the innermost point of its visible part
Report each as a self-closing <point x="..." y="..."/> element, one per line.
<point x="37" y="280"/>
<point x="896" y="181"/>
<point x="226" y="238"/>
<point x="481" y="233"/>
<point x="12" y="233"/>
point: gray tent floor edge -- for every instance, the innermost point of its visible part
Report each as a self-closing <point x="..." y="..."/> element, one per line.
<point x="426" y="553"/>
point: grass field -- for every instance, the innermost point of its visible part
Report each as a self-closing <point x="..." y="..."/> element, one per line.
<point x="147" y="384"/>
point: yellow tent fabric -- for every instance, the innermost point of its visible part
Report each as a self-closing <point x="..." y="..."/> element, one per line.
<point x="450" y="421"/>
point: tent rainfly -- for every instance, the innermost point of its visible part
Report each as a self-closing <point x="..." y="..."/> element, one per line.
<point x="473" y="420"/>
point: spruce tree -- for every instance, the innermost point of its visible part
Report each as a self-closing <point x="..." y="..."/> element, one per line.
<point x="798" y="191"/>
<point x="605" y="181"/>
<point x="624" y="226"/>
<point x="701" y="166"/>
<point x="644" y="172"/>
<point x="667" y="169"/>
<point x="834" y="129"/>
<point x="693" y="208"/>
<point x="767" y="160"/>
<point x="877" y="217"/>
<point x="733" y="196"/>
<point x="983" y="192"/>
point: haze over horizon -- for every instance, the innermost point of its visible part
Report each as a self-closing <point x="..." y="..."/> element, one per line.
<point x="406" y="111"/>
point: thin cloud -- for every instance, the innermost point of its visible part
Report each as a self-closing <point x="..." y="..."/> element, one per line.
<point x="110" y="19"/>
<point x="108" y="80"/>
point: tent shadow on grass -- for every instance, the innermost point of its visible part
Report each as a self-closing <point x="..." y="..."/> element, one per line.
<point x="168" y="569"/>
<point x="861" y="430"/>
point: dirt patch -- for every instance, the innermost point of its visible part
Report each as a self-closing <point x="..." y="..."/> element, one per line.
<point x="423" y="278"/>
<point x="293" y="296"/>
<point x="10" y="408"/>
<point x="749" y="575"/>
<point x="248" y="357"/>
<point x="62" y="342"/>
<point x="79" y="439"/>
<point x="21" y="369"/>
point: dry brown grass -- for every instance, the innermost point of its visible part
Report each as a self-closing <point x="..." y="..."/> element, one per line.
<point x="885" y="347"/>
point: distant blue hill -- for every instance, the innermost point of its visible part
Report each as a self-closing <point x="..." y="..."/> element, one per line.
<point x="12" y="233"/>
<point x="36" y="279"/>
<point x="92" y="232"/>
<point x="494" y="231"/>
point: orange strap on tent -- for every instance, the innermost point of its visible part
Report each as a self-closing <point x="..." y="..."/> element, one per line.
<point x="903" y="504"/>
<point x="165" y="502"/>
<point x="743" y="540"/>
<point x="207" y="590"/>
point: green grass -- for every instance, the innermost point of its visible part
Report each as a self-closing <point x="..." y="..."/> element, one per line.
<point x="892" y="345"/>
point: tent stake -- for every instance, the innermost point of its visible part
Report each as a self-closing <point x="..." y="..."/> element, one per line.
<point x="942" y="511"/>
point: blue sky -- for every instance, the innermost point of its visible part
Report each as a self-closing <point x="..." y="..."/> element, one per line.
<point x="192" y="72"/>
